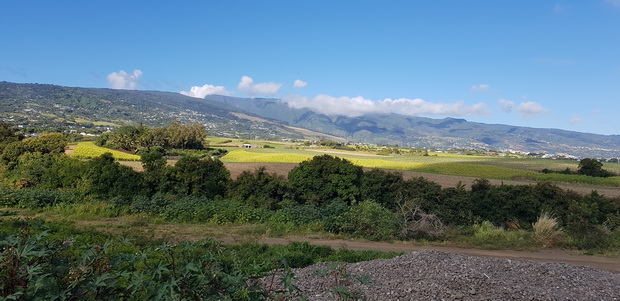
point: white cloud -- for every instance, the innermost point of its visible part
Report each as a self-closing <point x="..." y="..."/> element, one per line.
<point x="247" y="85"/>
<point x="506" y="105"/>
<point x="530" y="108"/>
<point x="202" y="92"/>
<point x="480" y="88"/>
<point x="124" y="80"/>
<point x="358" y="106"/>
<point x="299" y="83"/>
<point x="575" y="120"/>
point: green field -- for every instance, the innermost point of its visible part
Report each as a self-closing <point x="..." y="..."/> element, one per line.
<point x="439" y="163"/>
<point x="88" y="150"/>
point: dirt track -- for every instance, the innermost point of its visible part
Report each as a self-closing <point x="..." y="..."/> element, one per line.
<point x="195" y="232"/>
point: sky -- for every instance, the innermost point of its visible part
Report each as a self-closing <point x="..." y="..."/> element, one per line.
<point x="535" y="63"/>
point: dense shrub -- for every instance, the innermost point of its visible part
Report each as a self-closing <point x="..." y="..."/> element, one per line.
<point x="36" y="197"/>
<point x="381" y="186"/>
<point x="199" y="177"/>
<point x="369" y="220"/>
<point x="259" y="188"/>
<point x="324" y="178"/>
<point x="221" y="212"/>
<point x="297" y="214"/>
<point x="332" y="215"/>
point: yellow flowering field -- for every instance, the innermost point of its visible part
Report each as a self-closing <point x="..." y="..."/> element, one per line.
<point x="478" y="171"/>
<point x="87" y="150"/>
<point x="246" y="156"/>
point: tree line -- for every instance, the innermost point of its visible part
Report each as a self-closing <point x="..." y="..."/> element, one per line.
<point x="175" y="135"/>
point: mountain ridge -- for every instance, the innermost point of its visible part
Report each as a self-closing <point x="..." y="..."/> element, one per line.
<point x="434" y="133"/>
<point x="273" y="119"/>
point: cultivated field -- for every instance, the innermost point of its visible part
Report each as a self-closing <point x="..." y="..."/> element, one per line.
<point x="447" y="170"/>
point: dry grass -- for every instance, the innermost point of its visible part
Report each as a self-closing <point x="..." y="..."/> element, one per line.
<point x="547" y="230"/>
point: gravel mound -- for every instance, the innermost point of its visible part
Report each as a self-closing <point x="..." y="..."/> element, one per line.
<point x="434" y="275"/>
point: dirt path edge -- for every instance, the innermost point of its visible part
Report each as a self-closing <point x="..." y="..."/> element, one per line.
<point x="549" y="256"/>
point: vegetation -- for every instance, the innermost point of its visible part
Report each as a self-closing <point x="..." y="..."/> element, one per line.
<point x="587" y="167"/>
<point x="53" y="262"/>
<point x="323" y="194"/>
<point x="88" y="150"/>
<point x="457" y="165"/>
<point x="175" y="135"/>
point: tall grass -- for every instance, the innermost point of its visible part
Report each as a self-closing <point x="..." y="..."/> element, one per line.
<point x="547" y="231"/>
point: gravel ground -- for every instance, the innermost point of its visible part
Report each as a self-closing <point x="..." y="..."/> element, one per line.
<point x="434" y="275"/>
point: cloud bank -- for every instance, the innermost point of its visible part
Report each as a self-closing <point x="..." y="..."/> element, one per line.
<point x="359" y="106"/>
<point x="299" y="83"/>
<point x="202" y="92"/>
<point x="506" y="105"/>
<point x="247" y="86"/>
<point x="124" y="80"/>
<point x="530" y="108"/>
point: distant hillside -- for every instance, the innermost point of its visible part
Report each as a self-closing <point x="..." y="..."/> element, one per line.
<point x="434" y="133"/>
<point x="50" y="105"/>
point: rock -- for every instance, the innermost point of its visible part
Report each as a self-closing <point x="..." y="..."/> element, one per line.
<point x="434" y="275"/>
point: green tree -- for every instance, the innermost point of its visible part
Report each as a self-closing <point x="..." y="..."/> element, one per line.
<point x="381" y="186"/>
<point x="186" y="136"/>
<point x="192" y="176"/>
<point x="53" y="143"/>
<point x="108" y="178"/>
<point x="323" y="178"/>
<point x="592" y="167"/>
<point x="9" y="134"/>
<point x="259" y="188"/>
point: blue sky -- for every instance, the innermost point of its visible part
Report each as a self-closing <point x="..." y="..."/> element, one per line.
<point x="551" y="64"/>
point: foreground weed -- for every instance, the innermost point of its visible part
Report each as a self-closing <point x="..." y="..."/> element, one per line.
<point x="342" y="282"/>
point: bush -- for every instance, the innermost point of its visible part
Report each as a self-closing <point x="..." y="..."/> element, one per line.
<point x="259" y="188"/>
<point x="221" y="212"/>
<point x="155" y="204"/>
<point x="324" y="178"/>
<point x="369" y="220"/>
<point x="487" y="235"/>
<point x="332" y="214"/>
<point x="297" y="215"/>
<point x="36" y="197"/>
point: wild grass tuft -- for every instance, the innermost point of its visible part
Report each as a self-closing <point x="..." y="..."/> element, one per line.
<point x="547" y="231"/>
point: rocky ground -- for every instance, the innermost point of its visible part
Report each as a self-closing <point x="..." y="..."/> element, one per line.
<point x="435" y="275"/>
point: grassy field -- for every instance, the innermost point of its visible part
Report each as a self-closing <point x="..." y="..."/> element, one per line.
<point x="436" y="163"/>
<point x="439" y="163"/>
<point x="87" y="150"/>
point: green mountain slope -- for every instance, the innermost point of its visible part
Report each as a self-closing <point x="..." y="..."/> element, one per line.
<point x="434" y="133"/>
<point x="50" y="105"/>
